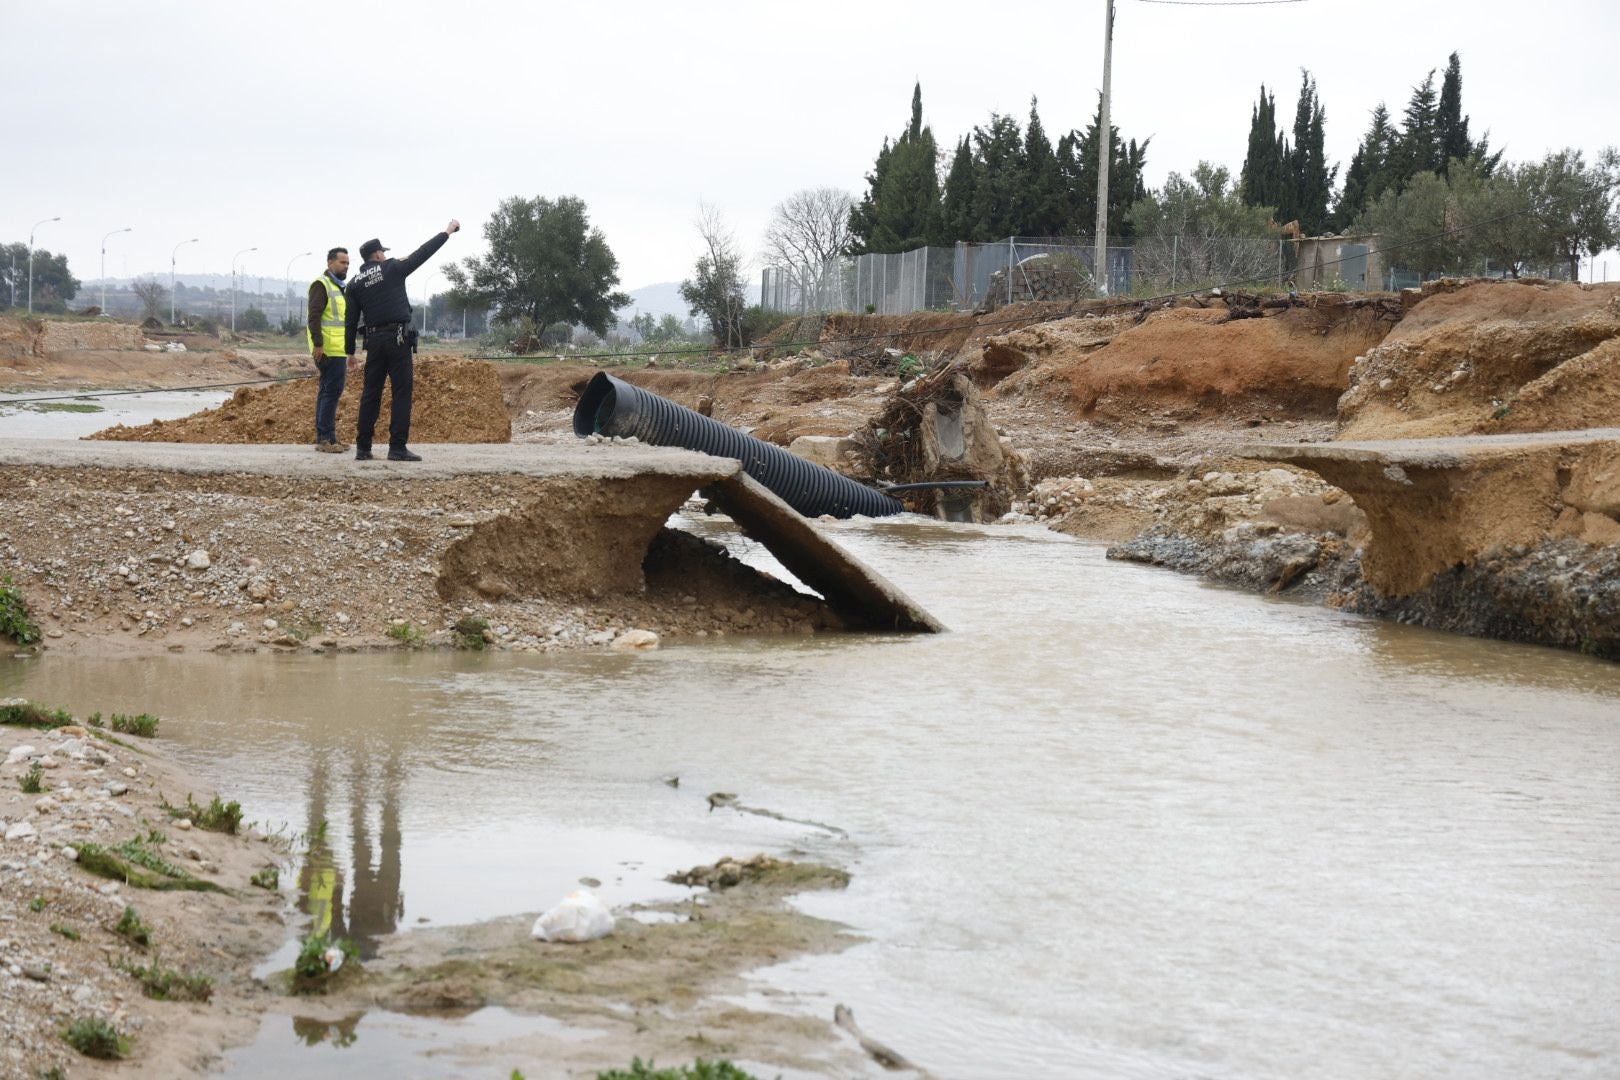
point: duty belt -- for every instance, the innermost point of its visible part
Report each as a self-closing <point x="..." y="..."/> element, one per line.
<point x="381" y="328"/>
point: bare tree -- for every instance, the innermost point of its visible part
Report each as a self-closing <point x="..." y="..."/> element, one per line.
<point x="809" y="229"/>
<point x="715" y="290"/>
<point x="151" y="295"/>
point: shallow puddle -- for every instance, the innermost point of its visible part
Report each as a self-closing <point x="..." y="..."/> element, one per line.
<point x="52" y="417"/>
<point x="1116" y="823"/>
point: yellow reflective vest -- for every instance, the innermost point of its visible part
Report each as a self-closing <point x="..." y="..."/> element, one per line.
<point x="337" y="309"/>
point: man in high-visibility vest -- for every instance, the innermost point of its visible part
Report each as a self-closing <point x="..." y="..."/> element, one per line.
<point x="328" y="315"/>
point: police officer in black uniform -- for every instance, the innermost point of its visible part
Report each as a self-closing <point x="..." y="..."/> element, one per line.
<point x="377" y="295"/>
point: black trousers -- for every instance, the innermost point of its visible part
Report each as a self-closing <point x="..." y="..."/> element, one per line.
<point x="386" y="359"/>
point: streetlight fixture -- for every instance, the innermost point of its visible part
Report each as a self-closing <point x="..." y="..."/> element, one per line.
<point x="288" y="278"/>
<point x="238" y="255"/>
<point x="104" y="240"/>
<point x="172" y="255"/>
<point x="31" y="232"/>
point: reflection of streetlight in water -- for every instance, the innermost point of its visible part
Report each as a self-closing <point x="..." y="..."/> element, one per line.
<point x="375" y="904"/>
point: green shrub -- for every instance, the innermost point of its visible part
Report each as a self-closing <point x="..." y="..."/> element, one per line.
<point x="131" y="928"/>
<point x="217" y="816"/>
<point x="94" y="1037"/>
<point x="170" y="984"/>
<point x="470" y="632"/>
<point x="30" y="715"/>
<point x="65" y="931"/>
<point x="268" y="878"/>
<point x="33" y="781"/>
<point x="15" y="622"/>
<point x="145" y="725"/>
<point x="309" y="972"/>
<point x="405" y="633"/>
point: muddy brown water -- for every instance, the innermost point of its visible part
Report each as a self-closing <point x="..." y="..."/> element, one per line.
<point x="1116" y="823"/>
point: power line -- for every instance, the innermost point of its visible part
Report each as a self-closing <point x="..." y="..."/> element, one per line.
<point x="966" y="324"/>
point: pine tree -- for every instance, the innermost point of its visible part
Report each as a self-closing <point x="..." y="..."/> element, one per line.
<point x="1077" y="156"/>
<point x="1368" y="176"/>
<point x="1042" y="205"/>
<point x="1417" y="150"/>
<point x="956" y="205"/>
<point x="999" y="151"/>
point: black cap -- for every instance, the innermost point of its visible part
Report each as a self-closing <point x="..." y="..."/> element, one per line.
<point x="370" y="248"/>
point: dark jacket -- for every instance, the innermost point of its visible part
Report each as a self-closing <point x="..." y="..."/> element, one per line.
<point x="377" y="293"/>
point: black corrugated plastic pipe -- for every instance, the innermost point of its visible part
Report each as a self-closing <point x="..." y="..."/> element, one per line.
<point x="612" y="406"/>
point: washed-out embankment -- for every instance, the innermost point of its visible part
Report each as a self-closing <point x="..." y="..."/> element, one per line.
<point x="1133" y="423"/>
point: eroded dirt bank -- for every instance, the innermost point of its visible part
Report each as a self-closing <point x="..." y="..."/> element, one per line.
<point x="132" y="560"/>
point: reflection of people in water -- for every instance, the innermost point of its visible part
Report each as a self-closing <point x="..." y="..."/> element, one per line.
<point x="375" y="904"/>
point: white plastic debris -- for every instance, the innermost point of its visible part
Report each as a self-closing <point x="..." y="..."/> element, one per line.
<point x="580" y="917"/>
<point x="333" y="959"/>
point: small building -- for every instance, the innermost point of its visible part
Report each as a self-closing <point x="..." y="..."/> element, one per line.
<point x="1351" y="262"/>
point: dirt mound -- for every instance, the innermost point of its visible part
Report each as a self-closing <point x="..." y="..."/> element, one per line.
<point x="455" y="401"/>
<point x="1580" y="393"/>
<point x="1190" y="363"/>
<point x="1458" y="361"/>
<point x="865" y="340"/>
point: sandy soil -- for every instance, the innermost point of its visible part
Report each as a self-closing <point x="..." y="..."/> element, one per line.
<point x="98" y="792"/>
<point x="107" y="559"/>
<point x="454" y="400"/>
<point x="1487" y="357"/>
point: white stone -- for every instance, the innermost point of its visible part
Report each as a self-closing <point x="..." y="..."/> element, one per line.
<point x="22" y="830"/>
<point x="184" y="824"/>
<point x="199" y="560"/>
<point x="20" y="753"/>
<point x="636" y="639"/>
<point x="117" y="787"/>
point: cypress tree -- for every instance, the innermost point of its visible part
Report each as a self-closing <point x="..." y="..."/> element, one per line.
<point x="1265" y="179"/>
<point x="1451" y="126"/>
<point x="900" y="209"/>
<point x="1311" y="181"/>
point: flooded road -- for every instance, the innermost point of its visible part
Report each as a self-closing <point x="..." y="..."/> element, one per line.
<point x="1115" y="824"/>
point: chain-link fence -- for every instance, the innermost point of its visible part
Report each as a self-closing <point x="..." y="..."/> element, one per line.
<point x="973" y="276"/>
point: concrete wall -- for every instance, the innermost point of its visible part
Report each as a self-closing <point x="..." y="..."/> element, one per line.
<point x="1326" y="259"/>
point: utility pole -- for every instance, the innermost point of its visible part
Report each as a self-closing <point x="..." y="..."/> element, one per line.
<point x="238" y="255"/>
<point x="1105" y="151"/>
<point x="287" y="277"/>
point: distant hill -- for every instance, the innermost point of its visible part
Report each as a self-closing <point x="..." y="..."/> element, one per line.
<point x="658" y="300"/>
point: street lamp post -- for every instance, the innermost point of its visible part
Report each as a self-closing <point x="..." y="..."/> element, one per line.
<point x="172" y="255"/>
<point x="104" y="240"/>
<point x="31" y="232"/>
<point x="288" y="278"/>
<point x="238" y="255"/>
<point x="427" y="298"/>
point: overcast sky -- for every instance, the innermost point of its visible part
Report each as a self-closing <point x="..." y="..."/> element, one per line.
<point x="292" y="128"/>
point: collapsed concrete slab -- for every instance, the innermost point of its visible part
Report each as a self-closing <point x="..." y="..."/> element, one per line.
<point x="1434" y="504"/>
<point x="104" y="538"/>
